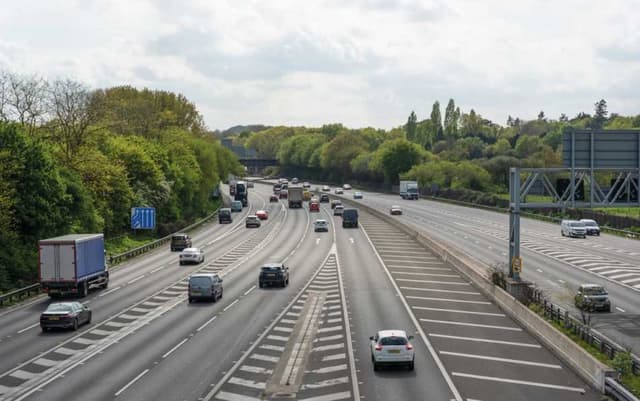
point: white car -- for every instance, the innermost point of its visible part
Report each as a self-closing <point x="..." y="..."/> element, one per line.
<point x="338" y="191"/>
<point x="338" y="210"/>
<point x="395" y="209"/>
<point x="320" y="225"/>
<point x="346" y="187"/>
<point x="392" y="347"/>
<point x="325" y="188"/>
<point x="191" y="255"/>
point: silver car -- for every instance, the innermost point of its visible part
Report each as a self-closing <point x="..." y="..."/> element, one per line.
<point x="191" y="255"/>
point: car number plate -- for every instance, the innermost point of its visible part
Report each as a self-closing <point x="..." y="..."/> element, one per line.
<point x="54" y="318"/>
<point x="195" y="293"/>
<point x="394" y="351"/>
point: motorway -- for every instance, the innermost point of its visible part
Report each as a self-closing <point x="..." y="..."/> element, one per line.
<point x="308" y="341"/>
<point x="556" y="264"/>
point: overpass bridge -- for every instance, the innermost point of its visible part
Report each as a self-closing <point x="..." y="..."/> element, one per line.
<point x="248" y="157"/>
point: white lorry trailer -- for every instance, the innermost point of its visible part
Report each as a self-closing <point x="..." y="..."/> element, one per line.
<point x="409" y="190"/>
<point x="295" y="196"/>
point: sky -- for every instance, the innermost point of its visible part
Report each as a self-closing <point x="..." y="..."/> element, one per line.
<point x="356" y="62"/>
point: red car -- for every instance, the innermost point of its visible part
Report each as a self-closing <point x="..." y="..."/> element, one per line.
<point x="284" y="194"/>
<point x="262" y="214"/>
<point x="273" y="198"/>
<point x="314" y="207"/>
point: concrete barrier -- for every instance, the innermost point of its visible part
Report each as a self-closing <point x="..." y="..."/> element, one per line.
<point x="584" y="364"/>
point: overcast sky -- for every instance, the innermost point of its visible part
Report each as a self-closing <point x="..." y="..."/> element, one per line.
<point x="358" y="62"/>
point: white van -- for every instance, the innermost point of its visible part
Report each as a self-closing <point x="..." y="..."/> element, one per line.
<point x="573" y="228"/>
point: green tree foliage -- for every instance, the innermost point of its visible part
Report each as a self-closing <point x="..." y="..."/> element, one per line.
<point x="451" y="121"/>
<point x="527" y="145"/>
<point x="267" y="142"/>
<point x="436" y="121"/>
<point x="410" y="127"/>
<point x="600" y="115"/>
<point x="339" y="152"/>
<point x="395" y="157"/>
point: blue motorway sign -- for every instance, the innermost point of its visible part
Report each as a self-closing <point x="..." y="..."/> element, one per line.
<point x="143" y="218"/>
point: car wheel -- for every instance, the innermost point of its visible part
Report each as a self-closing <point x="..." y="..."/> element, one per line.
<point x="260" y="285"/>
<point x="609" y="308"/>
<point x="287" y="281"/>
<point x="562" y="233"/>
<point x="412" y="365"/>
<point x="376" y="367"/>
<point x="181" y="263"/>
<point x="221" y="291"/>
<point x="75" y="324"/>
<point x="190" y="300"/>
<point x="89" y="318"/>
<point x="44" y="329"/>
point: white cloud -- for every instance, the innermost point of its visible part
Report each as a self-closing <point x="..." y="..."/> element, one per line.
<point x="364" y="62"/>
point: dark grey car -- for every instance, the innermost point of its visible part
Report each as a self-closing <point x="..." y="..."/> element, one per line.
<point x="206" y="286"/>
<point x="65" y="315"/>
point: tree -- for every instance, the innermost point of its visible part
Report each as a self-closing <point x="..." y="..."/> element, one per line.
<point x="541" y="116"/>
<point x="410" y="127"/>
<point x="527" y="146"/>
<point x="395" y="157"/>
<point x="436" y="121"/>
<point x="600" y="115"/>
<point x="563" y="118"/>
<point x="26" y="99"/>
<point x="451" y="117"/>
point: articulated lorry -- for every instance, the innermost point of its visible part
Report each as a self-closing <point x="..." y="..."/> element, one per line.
<point x="295" y="196"/>
<point x="409" y="190"/>
<point x="71" y="264"/>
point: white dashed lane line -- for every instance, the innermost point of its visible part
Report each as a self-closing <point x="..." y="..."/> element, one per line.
<point x="136" y="279"/>
<point x="230" y="305"/>
<point x="35" y="325"/>
<point x="620" y="309"/>
<point x="110" y="291"/>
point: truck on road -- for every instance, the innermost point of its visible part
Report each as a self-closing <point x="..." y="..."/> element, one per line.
<point x="241" y="192"/>
<point x="295" y="196"/>
<point x="71" y="264"/>
<point x="409" y="190"/>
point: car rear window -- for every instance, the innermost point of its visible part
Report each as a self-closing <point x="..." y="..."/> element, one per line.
<point x="200" y="281"/>
<point x="393" y="341"/>
<point x="270" y="268"/>
<point x="59" y="308"/>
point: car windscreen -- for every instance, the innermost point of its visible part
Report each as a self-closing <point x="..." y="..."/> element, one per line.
<point x="225" y="213"/>
<point x="270" y="268"/>
<point x="590" y="223"/>
<point x="393" y="341"/>
<point x="200" y="281"/>
<point x="59" y="308"/>
<point x="577" y="224"/>
<point x="595" y="291"/>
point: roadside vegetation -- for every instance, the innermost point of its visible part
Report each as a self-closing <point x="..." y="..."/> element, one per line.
<point x="75" y="160"/>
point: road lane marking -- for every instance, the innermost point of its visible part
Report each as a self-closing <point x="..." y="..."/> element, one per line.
<point x="524" y="382"/>
<point x="28" y="328"/>
<point x="539" y="270"/>
<point x="424" y="274"/>
<point x="135" y="279"/>
<point x="487" y="326"/>
<point x="157" y="269"/>
<point x="230" y="305"/>
<point x="206" y="323"/>
<point x="485" y="340"/>
<point x="131" y="382"/>
<point x="352" y="240"/>
<point x="439" y="290"/>
<point x="110" y="291"/>
<point x="507" y="360"/>
<point x="432" y="282"/>
<point x="459" y="311"/>
<point x="317" y="241"/>
<point x="250" y="289"/>
<point x="449" y="300"/>
<point x="174" y="348"/>
<point x="620" y="309"/>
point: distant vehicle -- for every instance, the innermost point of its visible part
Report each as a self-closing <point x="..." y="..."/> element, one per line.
<point x="338" y="191"/>
<point x="206" y="286"/>
<point x="249" y="184"/>
<point x="337" y="211"/>
<point x="592" y="297"/>
<point x="252" y="221"/>
<point x="350" y="218"/>
<point x="224" y="215"/>
<point x="409" y="190"/>
<point x="284" y="194"/>
<point x="283" y="181"/>
<point x="314" y="207"/>
<point x="273" y="274"/>
<point x="357" y="195"/>
<point x="241" y="193"/>
<point x="273" y="198"/>
<point x="306" y="195"/>
<point x="591" y="226"/>
<point x="236" y="206"/>
<point x="180" y="241"/>
<point x="232" y="187"/>
<point x="262" y="214"/>
<point x="346" y="187"/>
<point x="320" y="225"/>
<point x="306" y="185"/>
<point x="285" y="186"/>
<point x="277" y="188"/>
<point x="325" y="188"/>
<point x="72" y="264"/>
<point x="191" y="255"/>
<point x="324" y="198"/>
<point x="395" y="209"/>
<point x="392" y="347"/>
<point x="335" y="203"/>
<point x="294" y="180"/>
<point x="295" y="197"/>
<point x="573" y="228"/>
<point x="65" y="315"/>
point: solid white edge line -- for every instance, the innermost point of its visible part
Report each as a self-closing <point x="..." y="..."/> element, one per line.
<point x="28" y="328"/>
<point x="131" y="382"/>
<point x="174" y="348"/>
<point x="415" y="321"/>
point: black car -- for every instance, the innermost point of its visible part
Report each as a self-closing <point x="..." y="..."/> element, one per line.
<point x="180" y="241"/>
<point x="65" y="315"/>
<point x="324" y="198"/>
<point x="274" y="274"/>
<point x="224" y="215"/>
<point x="350" y="218"/>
